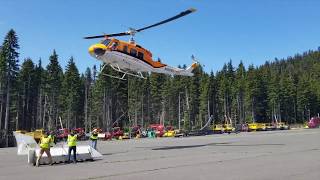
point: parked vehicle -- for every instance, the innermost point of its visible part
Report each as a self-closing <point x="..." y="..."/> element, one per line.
<point x="252" y="127"/>
<point x="80" y="132"/>
<point x="62" y="134"/>
<point x="282" y="126"/>
<point x="158" y="129"/>
<point x="228" y="128"/>
<point x="270" y="127"/>
<point x="218" y="129"/>
<point x="170" y="132"/>
<point x="180" y="133"/>
<point x="116" y="132"/>
<point x="261" y="127"/>
<point x="314" y="122"/>
<point x="136" y="131"/>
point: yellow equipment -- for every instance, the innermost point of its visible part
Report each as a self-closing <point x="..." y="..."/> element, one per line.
<point x="170" y="133"/>
<point x="228" y="128"/>
<point x="21" y="131"/>
<point x="252" y="126"/>
<point x="218" y="128"/>
<point x="282" y="126"/>
<point x="261" y="126"/>
<point x="270" y="127"/>
<point x="37" y="134"/>
<point x="125" y="136"/>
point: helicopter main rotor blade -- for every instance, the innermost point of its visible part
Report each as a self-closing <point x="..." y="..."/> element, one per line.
<point x="133" y="31"/>
<point x="108" y="35"/>
<point x="184" y="13"/>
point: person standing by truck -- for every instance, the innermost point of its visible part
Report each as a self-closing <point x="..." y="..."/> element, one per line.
<point x="94" y="139"/>
<point x="44" y="147"/>
<point x="72" y="144"/>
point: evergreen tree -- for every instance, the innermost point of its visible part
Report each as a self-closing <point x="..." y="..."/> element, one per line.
<point x="27" y="96"/>
<point x="3" y="67"/>
<point x="87" y="103"/>
<point x="10" y="59"/>
<point x="204" y="99"/>
<point x="156" y="88"/>
<point x="71" y="96"/>
<point x="54" y="77"/>
<point x="240" y="92"/>
<point x="40" y="85"/>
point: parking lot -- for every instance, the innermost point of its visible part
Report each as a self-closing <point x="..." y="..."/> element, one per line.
<point x="293" y="154"/>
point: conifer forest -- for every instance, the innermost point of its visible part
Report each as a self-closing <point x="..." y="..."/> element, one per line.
<point x="34" y="96"/>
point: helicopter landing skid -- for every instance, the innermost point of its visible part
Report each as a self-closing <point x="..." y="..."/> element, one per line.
<point x="118" y="69"/>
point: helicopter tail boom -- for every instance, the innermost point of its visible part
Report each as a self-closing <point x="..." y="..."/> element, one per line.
<point x="177" y="71"/>
<point x="192" y="67"/>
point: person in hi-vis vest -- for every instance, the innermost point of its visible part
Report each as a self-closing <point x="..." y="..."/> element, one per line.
<point x="94" y="139"/>
<point x="45" y="142"/>
<point x="72" y="143"/>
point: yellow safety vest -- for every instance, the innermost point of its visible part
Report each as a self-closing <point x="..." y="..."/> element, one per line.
<point x="72" y="140"/>
<point x="45" y="142"/>
<point x="94" y="136"/>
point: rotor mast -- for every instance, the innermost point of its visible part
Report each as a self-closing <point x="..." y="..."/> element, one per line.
<point x="132" y="32"/>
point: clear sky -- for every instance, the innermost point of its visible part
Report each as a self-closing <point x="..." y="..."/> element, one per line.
<point x="249" y="30"/>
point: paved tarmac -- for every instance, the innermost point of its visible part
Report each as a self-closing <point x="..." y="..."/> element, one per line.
<point x="291" y="155"/>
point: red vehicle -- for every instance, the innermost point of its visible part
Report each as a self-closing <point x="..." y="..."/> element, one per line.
<point x="135" y="131"/>
<point x="80" y="132"/>
<point x="314" y="122"/>
<point x="115" y="133"/>
<point x="62" y="134"/>
<point x="158" y="128"/>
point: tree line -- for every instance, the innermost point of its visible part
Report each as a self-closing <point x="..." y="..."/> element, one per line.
<point x="33" y="96"/>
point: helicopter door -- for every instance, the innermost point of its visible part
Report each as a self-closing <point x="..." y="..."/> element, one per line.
<point x="125" y="49"/>
<point x="140" y="55"/>
<point x="133" y="52"/>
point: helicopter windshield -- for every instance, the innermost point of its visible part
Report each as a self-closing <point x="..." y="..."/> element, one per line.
<point x="106" y="42"/>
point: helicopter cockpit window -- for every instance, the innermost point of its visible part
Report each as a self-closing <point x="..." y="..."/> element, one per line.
<point x="133" y="52"/>
<point x="106" y="42"/>
<point x="114" y="45"/>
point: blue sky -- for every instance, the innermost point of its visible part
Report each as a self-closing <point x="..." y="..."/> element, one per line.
<point x="249" y="30"/>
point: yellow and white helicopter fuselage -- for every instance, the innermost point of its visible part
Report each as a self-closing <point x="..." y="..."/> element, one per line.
<point x="129" y="65"/>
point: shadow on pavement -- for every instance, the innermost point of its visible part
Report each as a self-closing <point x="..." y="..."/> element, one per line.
<point x="213" y="144"/>
<point x="185" y="147"/>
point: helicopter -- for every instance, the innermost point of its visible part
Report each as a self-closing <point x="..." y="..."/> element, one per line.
<point x="129" y="58"/>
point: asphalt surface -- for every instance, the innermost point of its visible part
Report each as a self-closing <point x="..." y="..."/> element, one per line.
<point x="293" y="155"/>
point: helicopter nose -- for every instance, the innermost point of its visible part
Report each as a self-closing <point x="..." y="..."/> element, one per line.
<point x="97" y="50"/>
